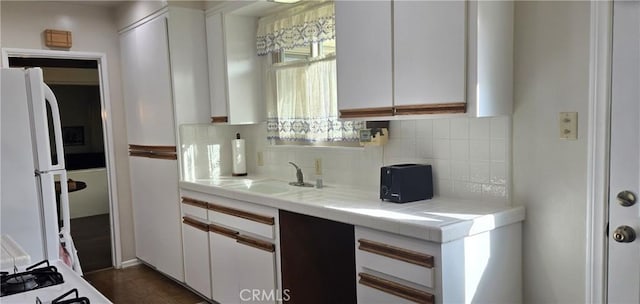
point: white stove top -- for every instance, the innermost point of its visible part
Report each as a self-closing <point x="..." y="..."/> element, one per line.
<point x="46" y="295"/>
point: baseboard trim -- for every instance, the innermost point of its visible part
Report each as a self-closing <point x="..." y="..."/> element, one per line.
<point x="130" y="263"/>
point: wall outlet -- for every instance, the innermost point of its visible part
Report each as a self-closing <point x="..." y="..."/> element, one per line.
<point x="318" y="166"/>
<point x="260" y="159"/>
<point x="568" y="125"/>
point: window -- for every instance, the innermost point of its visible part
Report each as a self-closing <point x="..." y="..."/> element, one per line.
<point x="300" y="80"/>
<point x="315" y="50"/>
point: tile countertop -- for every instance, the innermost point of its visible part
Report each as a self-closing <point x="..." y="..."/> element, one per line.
<point x="438" y="220"/>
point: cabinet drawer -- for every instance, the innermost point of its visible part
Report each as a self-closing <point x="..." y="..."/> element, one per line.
<point x="405" y="258"/>
<point x="255" y="243"/>
<point x="242" y="216"/>
<point x="195" y="223"/>
<point x="373" y="289"/>
<point x="194" y="208"/>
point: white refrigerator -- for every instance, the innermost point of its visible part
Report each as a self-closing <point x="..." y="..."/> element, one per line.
<point x="30" y="169"/>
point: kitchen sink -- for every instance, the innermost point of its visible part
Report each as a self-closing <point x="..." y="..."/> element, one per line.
<point x="265" y="187"/>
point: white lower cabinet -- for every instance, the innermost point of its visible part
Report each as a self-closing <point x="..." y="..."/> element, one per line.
<point x="230" y="249"/>
<point x="156" y="214"/>
<point x="195" y="241"/>
<point x="481" y="268"/>
<point x="195" y="237"/>
<point x="231" y="253"/>
<point x="243" y="261"/>
<point x="223" y="267"/>
<point x="242" y="272"/>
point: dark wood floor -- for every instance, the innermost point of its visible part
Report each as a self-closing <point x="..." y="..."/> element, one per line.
<point x="92" y="237"/>
<point x="140" y="284"/>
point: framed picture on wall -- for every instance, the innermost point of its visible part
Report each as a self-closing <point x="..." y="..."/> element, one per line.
<point x="73" y="136"/>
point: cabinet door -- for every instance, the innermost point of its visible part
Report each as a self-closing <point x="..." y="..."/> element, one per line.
<point x="363" y="54"/>
<point x="235" y="70"/>
<point x="244" y="72"/>
<point x="429" y="52"/>
<point x="257" y="264"/>
<point x="217" y="68"/>
<point x="224" y="275"/>
<point x="147" y="86"/>
<point x="130" y="79"/>
<point x="188" y="54"/>
<point x="196" y="256"/>
<point x="156" y="211"/>
<point x="141" y="203"/>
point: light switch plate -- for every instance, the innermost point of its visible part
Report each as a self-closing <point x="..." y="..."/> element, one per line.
<point x="260" y="159"/>
<point x="318" y="166"/>
<point x="568" y="122"/>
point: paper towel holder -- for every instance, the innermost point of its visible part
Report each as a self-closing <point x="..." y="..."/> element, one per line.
<point x="238" y="157"/>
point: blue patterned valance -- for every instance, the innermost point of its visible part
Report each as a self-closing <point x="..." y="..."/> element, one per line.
<point x="296" y="27"/>
<point x="313" y="130"/>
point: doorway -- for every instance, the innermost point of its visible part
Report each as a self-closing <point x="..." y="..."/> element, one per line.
<point x="79" y="82"/>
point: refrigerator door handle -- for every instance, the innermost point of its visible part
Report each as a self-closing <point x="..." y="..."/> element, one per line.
<point x="39" y="96"/>
<point x="57" y="126"/>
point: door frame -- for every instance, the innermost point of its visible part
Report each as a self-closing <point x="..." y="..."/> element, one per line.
<point x="107" y="131"/>
<point x="598" y="144"/>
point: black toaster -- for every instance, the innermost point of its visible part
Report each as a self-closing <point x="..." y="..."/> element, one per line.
<point x="406" y="183"/>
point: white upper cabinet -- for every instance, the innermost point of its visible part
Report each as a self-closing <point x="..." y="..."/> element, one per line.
<point x="189" y="73"/>
<point x="164" y="81"/>
<point x="235" y="73"/>
<point x="147" y="84"/>
<point x="424" y="57"/>
<point x="217" y="68"/>
<point x="364" y="56"/>
<point x="429" y="52"/>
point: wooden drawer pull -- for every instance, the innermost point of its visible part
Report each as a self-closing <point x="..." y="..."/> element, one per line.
<point x="194" y="202"/>
<point x="366" y="112"/>
<point x="405" y="292"/>
<point x="438" y="108"/>
<point x="158" y="152"/>
<point x="397" y="253"/>
<point x="269" y="220"/>
<point x="195" y="223"/>
<point x="153" y="155"/>
<point x="219" y="119"/>
<point x="223" y="231"/>
<point x="154" y="149"/>
<point x="249" y="241"/>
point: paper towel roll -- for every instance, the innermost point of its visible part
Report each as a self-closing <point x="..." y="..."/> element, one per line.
<point x="239" y="160"/>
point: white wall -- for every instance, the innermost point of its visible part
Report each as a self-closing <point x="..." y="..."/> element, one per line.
<point x="549" y="174"/>
<point x="94" y="30"/>
<point x="92" y="200"/>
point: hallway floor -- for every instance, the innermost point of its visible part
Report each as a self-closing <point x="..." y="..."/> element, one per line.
<point x="92" y="237"/>
<point x="140" y="284"/>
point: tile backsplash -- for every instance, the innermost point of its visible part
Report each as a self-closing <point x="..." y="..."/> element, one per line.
<point x="469" y="156"/>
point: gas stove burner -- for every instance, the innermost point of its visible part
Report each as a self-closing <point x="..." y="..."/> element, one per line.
<point x="74" y="300"/>
<point x="33" y="278"/>
<point x="19" y="283"/>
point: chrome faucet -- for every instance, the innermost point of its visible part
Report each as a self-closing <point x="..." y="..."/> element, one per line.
<point x="300" y="178"/>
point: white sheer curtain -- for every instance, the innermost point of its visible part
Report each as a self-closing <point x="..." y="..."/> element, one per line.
<point x="305" y="106"/>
